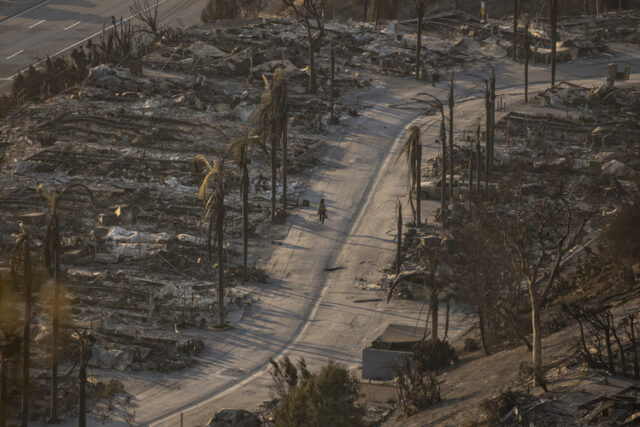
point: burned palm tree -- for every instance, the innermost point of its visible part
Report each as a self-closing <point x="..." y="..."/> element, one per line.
<point x="52" y="258"/>
<point x="239" y="150"/>
<point x="412" y="148"/>
<point x="20" y="259"/>
<point x="272" y="124"/>
<point x="214" y="218"/>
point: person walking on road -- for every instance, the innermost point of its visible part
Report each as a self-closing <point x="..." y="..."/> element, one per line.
<point x="322" y="211"/>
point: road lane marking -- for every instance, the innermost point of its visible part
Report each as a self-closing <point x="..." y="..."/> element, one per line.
<point x="37" y="23"/>
<point x="25" y="11"/>
<point x="86" y="38"/>
<point x="71" y="26"/>
<point x="15" y="54"/>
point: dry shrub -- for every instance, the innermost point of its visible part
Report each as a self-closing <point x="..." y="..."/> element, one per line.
<point x="496" y="408"/>
<point x="324" y="399"/>
<point x="231" y="9"/>
<point x="620" y="241"/>
<point x="430" y="356"/>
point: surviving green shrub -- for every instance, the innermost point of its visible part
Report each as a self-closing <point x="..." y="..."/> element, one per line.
<point x="327" y="398"/>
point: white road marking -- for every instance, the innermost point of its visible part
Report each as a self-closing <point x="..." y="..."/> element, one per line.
<point x="26" y="11"/>
<point x="87" y="38"/>
<point x="71" y="26"/>
<point x="15" y="54"/>
<point x="37" y="23"/>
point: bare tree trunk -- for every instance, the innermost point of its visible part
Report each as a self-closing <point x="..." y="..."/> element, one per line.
<point x="483" y="334"/>
<point x="554" y="39"/>
<point x="399" y="238"/>
<point x="597" y="7"/>
<point x="418" y="184"/>
<point x="53" y="413"/>
<point x="516" y="13"/>
<point x="365" y="17"/>
<point x="244" y="183"/>
<point x="537" y="340"/>
<point x="26" y="337"/>
<point x="526" y="62"/>
<point x="620" y="5"/>
<point x="419" y="44"/>
<point x="634" y="346"/>
<point x="82" y="379"/>
<point x="451" y="105"/>
<point x="586" y="7"/>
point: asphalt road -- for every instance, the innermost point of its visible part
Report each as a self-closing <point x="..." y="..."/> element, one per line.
<point x="57" y="26"/>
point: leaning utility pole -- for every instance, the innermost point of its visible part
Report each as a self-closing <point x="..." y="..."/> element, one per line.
<point x="554" y="39"/>
<point x="451" y="105"/>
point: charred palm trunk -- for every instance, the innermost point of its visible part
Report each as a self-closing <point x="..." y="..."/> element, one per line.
<point x="487" y="169"/>
<point x="26" y="334"/>
<point x="284" y="161"/>
<point x="3" y="389"/>
<point x="312" y="61"/>
<point x="399" y="238"/>
<point x="443" y="189"/>
<point x="419" y="43"/>
<point x="82" y="379"/>
<point x="274" y="174"/>
<point x="479" y="163"/>
<point x="554" y="39"/>
<point x="451" y="105"/>
<point x="244" y="183"/>
<point x="53" y="410"/>
<point x="418" y="183"/>
<point x="526" y="62"/>
<point x="220" y="249"/>
<point x="434" y="312"/>
<point x="492" y="132"/>
<point x="516" y="14"/>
